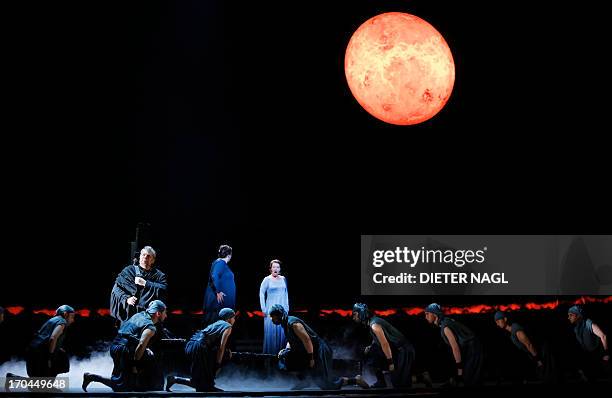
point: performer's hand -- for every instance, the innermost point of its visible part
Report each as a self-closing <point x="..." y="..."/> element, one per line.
<point x="220" y="296"/>
<point x="134" y="370"/>
<point x="311" y="364"/>
<point x="459" y="372"/>
<point x="140" y="281"/>
<point x="459" y="380"/>
<point x="281" y="352"/>
<point x="540" y="364"/>
<point x="606" y="358"/>
<point x="391" y="368"/>
<point x="49" y="364"/>
<point x="366" y="351"/>
<point x="131" y="300"/>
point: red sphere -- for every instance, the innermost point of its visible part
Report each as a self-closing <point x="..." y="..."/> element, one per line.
<point x="399" y="68"/>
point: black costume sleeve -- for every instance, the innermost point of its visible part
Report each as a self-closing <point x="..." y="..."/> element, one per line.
<point x="123" y="289"/>
<point x="156" y="288"/>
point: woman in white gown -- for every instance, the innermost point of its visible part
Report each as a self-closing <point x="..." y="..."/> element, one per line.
<point x="273" y="290"/>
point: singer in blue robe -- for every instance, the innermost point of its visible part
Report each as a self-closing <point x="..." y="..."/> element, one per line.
<point x="221" y="288"/>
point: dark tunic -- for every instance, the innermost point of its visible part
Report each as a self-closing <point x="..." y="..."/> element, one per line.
<point x="585" y="336"/>
<point x="590" y="357"/>
<point x="220" y="279"/>
<point x="401" y="350"/>
<point x="471" y="350"/>
<point x="515" y="340"/>
<point x="298" y="359"/>
<point x="122" y="351"/>
<point x="548" y="372"/>
<point x="125" y="287"/>
<point x="38" y="351"/>
<point x="202" y="350"/>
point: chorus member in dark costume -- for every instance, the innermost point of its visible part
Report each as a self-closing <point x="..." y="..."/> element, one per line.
<point x="595" y="355"/>
<point x="45" y="356"/>
<point x="133" y="362"/>
<point x="542" y="358"/>
<point x="466" y="348"/>
<point x="206" y="350"/>
<point x="137" y="286"/>
<point x="221" y="288"/>
<point x="389" y="351"/>
<point x="306" y="353"/>
<point x="273" y="290"/>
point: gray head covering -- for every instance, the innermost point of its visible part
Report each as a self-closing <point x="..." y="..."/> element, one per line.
<point x="363" y="312"/>
<point x="155" y="306"/>
<point x="435" y="308"/>
<point x="226" y="313"/>
<point x="63" y="309"/>
<point x="576" y="310"/>
<point x="499" y="315"/>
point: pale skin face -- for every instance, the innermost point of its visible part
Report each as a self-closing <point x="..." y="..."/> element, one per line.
<point x="431" y="318"/>
<point x="502" y="323"/>
<point x="146" y="260"/>
<point x="573" y="318"/>
<point x="69" y="317"/>
<point x="275" y="270"/>
<point x="162" y="315"/>
<point x="356" y="317"/>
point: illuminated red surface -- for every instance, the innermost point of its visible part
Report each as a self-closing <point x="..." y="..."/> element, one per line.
<point x="103" y="312"/>
<point x="399" y="68"/>
<point x="83" y="312"/>
<point x="412" y="311"/>
<point x="14" y="310"/>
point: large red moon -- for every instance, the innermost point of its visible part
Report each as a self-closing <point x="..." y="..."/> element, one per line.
<point x="399" y="68"/>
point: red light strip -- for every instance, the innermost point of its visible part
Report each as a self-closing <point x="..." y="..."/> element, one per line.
<point x="412" y="311"/>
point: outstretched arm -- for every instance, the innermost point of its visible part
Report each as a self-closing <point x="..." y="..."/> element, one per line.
<point x="604" y="340"/>
<point x="299" y="330"/>
<point x="455" y="348"/>
<point x="522" y="336"/>
<point x="143" y="343"/>
<point x="57" y="332"/>
<point x="221" y="350"/>
<point x="384" y="344"/>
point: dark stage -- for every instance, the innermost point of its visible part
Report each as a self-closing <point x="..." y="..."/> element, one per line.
<point x="227" y="122"/>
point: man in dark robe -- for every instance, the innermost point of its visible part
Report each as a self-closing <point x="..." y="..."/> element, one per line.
<point x="465" y="346"/>
<point x="306" y="354"/>
<point x="134" y="367"/>
<point x="541" y="356"/>
<point x="594" y="358"/>
<point x="206" y="350"/>
<point x="137" y="286"/>
<point x="45" y="356"/>
<point x="390" y="350"/>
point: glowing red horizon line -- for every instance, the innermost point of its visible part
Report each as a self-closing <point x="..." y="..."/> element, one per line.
<point x="453" y="310"/>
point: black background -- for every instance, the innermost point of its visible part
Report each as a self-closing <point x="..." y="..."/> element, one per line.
<point x="231" y="122"/>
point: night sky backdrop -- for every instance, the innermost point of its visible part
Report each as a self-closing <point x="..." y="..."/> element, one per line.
<point x="231" y="122"/>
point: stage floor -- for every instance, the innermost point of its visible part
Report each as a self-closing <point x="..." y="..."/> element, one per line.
<point x="509" y="390"/>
